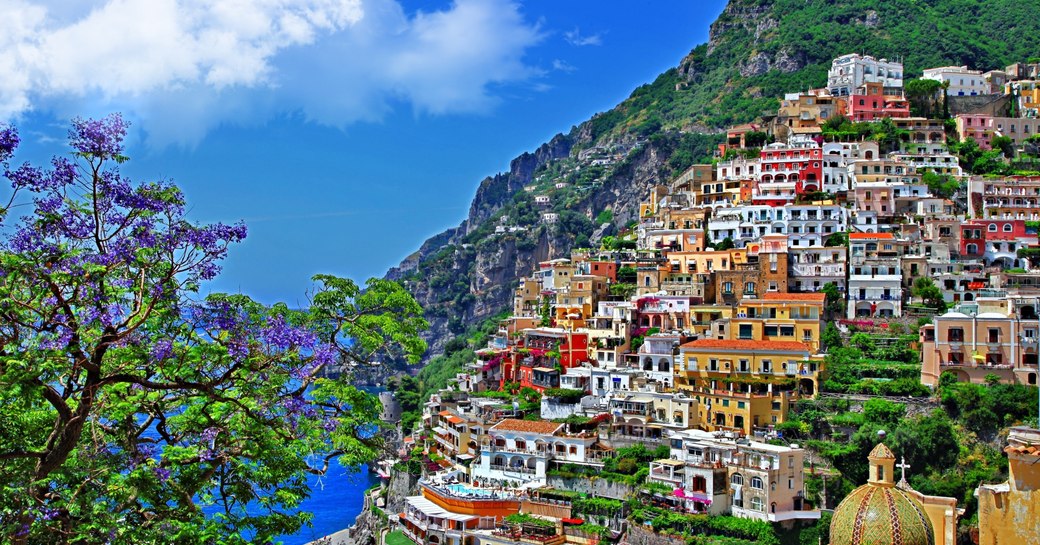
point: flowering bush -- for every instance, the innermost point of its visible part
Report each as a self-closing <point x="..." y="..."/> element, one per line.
<point x="129" y="407"/>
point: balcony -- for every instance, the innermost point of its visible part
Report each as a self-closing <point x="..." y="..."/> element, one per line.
<point x="511" y="469"/>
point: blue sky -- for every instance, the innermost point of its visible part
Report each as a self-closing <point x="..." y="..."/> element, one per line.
<point x="343" y="132"/>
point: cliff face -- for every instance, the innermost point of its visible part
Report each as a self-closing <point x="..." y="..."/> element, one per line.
<point x="757" y="50"/>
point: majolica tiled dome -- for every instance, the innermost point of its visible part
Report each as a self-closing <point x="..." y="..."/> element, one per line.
<point x="880" y="513"/>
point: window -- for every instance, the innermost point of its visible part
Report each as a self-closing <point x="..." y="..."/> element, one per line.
<point x="727" y="288"/>
<point x="756" y="504"/>
<point x="756" y="483"/>
<point x="992" y="228"/>
<point x="1007" y="227"/>
<point x="749" y="288"/>
<point x="737" y="479"/>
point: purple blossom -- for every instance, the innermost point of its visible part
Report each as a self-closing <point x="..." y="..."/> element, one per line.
<point x="210" y="434"/>
<point x="162" y="350"/>
<point x="162" y="474"/>
<point x="283" y="336"/>
<point x="102" y="138"/>
<point x="8" y="142"/>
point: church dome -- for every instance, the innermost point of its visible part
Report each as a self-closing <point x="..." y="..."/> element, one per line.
<point x="880" y="515"/>
<point x="879" y="512"/>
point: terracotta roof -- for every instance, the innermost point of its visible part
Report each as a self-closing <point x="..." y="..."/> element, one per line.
<point x="775" y="296"/>
<point x="531" y="426"/>
<point x="855" y="236"/>
<point x="1031" y="450"/>
<point x="444" y="413"/>
<point x="455" y="420"/>
<point x="749" y="345"/>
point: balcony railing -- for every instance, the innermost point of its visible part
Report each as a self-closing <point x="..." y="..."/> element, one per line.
<point x="513" y="469"/>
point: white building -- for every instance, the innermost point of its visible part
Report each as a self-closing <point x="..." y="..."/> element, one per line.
<point x="719" y="474"/>
<point x="963" y="82"/>
<point x="520" y="450"/>
<point x="850" y="72"/>
<point x="808" y="269"/>
<point x="805" y="225"/>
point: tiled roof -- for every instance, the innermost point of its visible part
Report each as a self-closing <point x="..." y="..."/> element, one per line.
<point x="1031" y="450"/>
<point x="776" y="296"/>
<point x="530" y="426"/>
<point x="444" y="413"/>
<point x="749" y="345"/>
<point x="855" y="236"/>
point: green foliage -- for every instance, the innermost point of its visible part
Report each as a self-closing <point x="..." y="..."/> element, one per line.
<point x="564" y="395"/>
<point x="985" y="408"/>
<point x="606" y="216"/>
<point x="941" y="185"/>
<point x="883" y="412"/>
<point x="597" y="506"/>
<point x="707" y="525"/>
<point x="925" y="288"/>
<point x="594" y="529"/>
<point x="835" y="300"/>
<point x="830" y="336"/>
<point x="524" y="519"/>
<point x="925" y="96"/>
<point x="397" y="537"/>
<point x="724" y="244"/>
<point x="837" y="240"/>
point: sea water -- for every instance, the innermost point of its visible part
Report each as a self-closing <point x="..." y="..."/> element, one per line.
<point x="336" y="500"/>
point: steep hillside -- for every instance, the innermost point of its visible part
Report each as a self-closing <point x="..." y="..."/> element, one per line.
<point x="757" y="50"/>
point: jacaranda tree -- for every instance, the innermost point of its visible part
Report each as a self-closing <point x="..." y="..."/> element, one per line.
<point x="134" y="410"/>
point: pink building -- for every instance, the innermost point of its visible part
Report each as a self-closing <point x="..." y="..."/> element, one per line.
<point x="871" y="103"/>
<point x="799" y="163"/>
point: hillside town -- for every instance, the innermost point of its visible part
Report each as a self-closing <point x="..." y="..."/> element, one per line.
<point x="682" y="346"/>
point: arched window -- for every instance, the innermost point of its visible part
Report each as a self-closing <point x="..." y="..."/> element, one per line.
<point x="756" y="504"/>
<point x="1007" y="227"/>
<point x="972" y="249"/>
<point x="663" y="365"/>
<point x="756" y="482"/>
<point x="737" y="479"/>
<point x="992" y="228"/>
<point x="648" y="364"/>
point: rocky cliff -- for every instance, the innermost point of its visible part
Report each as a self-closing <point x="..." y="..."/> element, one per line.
<point x="757" y="50"/>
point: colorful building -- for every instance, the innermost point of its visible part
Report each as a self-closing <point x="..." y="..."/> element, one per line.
<point x="742" y="385"/>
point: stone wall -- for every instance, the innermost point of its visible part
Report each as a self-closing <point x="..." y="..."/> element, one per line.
<point x="401" y="485"/>
<point x="594" y="487"/>
<point x="994" y="105"/>
<point x="552" y="409"/>
<point x="642" y="535"/>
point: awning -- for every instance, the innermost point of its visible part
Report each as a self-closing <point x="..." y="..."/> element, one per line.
<point x="455" y="420"/>
<point x="465" y="456"/>
<point x="545" y="369"/>
<point x="440" y="431"/>
<point x="433" y="510"/>
<point x="573" y="521"/>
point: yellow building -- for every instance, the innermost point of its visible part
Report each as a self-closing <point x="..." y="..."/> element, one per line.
<point x="780" y="317"/>
<point x="745" y="384"/>
<point x="1010" y="512"/>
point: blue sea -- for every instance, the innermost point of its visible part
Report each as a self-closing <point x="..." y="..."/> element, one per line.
<point x="336" y="501"/>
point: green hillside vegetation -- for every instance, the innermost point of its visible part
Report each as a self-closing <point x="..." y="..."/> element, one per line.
<point x="923" y="33"/>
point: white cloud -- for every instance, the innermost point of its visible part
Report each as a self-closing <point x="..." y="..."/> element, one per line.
<point x="183" y="66"/>
<point x="562" y="65"/>
<point x="574" y="37"/>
